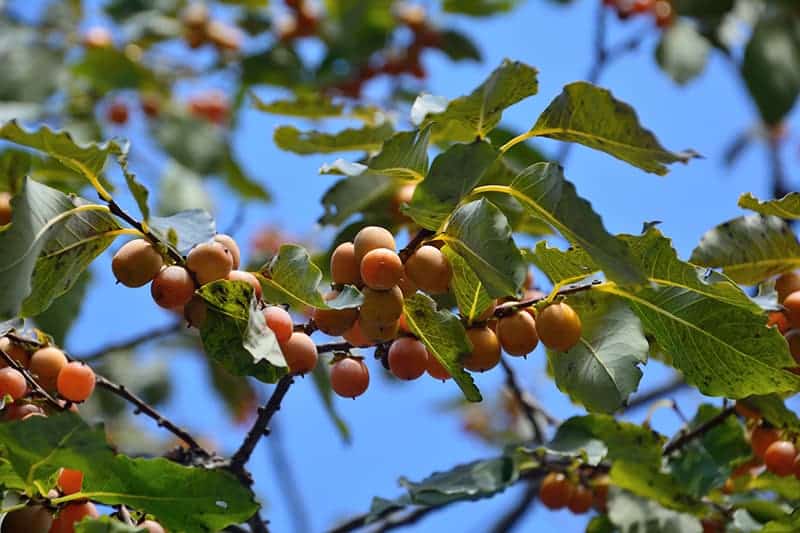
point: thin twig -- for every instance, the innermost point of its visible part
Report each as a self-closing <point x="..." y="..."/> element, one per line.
<point x="127" y="344"/>
<point x="779" y="182"/>
<point x="414" y="243"/>
<point x="699" y="431"/>
<point x="11" y="362"/>
<point x="409" y="519"/>
<point x="527" y="408"/>
<point x="282" y="466"/>
<point x="645" y="398"/>
<point x="115" y="209"/>
<point x="257" y="524"/>
<point x="265" y="414"/>
<point x="144" y="407"/>
<point x="518" y="510"/>
<point x="512" y="307"/>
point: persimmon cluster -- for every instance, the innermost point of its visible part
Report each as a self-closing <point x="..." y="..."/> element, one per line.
<point x="558" y="491"/>
<point x="42" y="518"/>
<point x="662" y="11"/>
<point x="787" y="320"/>
<point x="73" y="381"/>
<point x="371" y="263"/>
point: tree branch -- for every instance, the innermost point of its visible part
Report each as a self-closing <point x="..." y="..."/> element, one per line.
<point x="115" y="209"/>
<point x="409" y="518"/>
<point x="414" y="243"/>
<point x="259" y="427"/>
<point x="145" y="408"/>
<point x="699" y="431"/>
<point x="512" y="307"/>
<point x="518" y="510"/>
<point x="145" y="336"/>
<point x="257" y="524"/>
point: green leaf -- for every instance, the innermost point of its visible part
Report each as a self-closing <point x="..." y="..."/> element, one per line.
<point x="291" y="278"/>
<point x="58" y="319"/>
<point x="787" y="207"/>
<point x="471" y="296"/>
<point x="181" y="498"/>
<point x="632" y="513"/>
<point x="774" y="410"/>
<point x="602" y="437"/>
<point x="280" y="66"/>
<point x="471" y="481"/>
<point x="589" y="115"/>
<point x="365" y="138"/>
<point x="109" y="69"/>
<point x="648" y="481"/>
<point x="306" y="105"/>
<point x="322" y="382"/>
<point x="353" y="194"/>
<point x="444" y="337"/>
<point x="453" y="174"/>
<point x="191" y="227"/>
<point x="236" y="335"/>
<point x="789" y="524"/>
<point x="477" y="113"/>
<point x="87" y="160"/>
<point x="682" y="51"/>
<point x="713" y="333"/>
<point x="52" y="239"/>
<point x="458" y="46"/>
<point x="749" y="249"/>
<point x="478" y="8"/>
<point x="602" y="370"/>
<point x="562" y="267"/>
<point x="246" y="187"/>
<point x="404" y="155"/>
<point x="771" y="65"/>
<point x="195" y="143"/>
<point x="705" y="462"/>
<point x="137" y="189"/>
<point x="480" y="234"/>
<point x="106" y="524"/>
<point x="546" y="194"/>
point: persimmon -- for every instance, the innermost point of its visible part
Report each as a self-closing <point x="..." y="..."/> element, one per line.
<point x="355" y="335"/>
<point x="71" y="514"/>
<point x="407" y="286"/>
<point x="382" y="306"/>
<point x="429" y="269"/>
<point x="230" y="244"/>
<point x="279" y="321"/>
<point x="12" y="383"/>
<point x="29" y="519"/>
<point x="18" y="411"/>
<point x="436" y="370"/>
<point x="349" y="377"/>
<point x="195" y="312"/>
<point x="761" y="438"/>
<point x="70" y="481"/>
<point x="485" y="352"/>
<point x="408" y="358"/>
<point x="555" y="491"/>
<point x="152" y="526"/>
<point x="334" y="321"/>
<point x="75" y="381"/>
<point x="345" y="269"/>
<point x="379" y="331"/>
<point x="173" y="287"/>
<point x="300" y="353"/>
<point x="779" y="320"/>
<point x="117" y="112"/>
<point x="97" y="37"/>
<point x="371" y="238"/>
<point x="517" y="333"/>
<point x="247" y="277"/>
<point x="209" y="261"/>
<point x="779" y="458"/>
<point x="745" y="411"/>
<point x="46" y="363"/>
<point x="136" y="263"/>
<point x="581" y="500"/>
<point x="600" y="487"/>
<point x="381" y="269"/>
<point x="558" y="326"/>
<point x="195" y="16"/>
<point x="664" y="13"/>
<point x="5" y="208"/>
<point x="786" y="284"/>
<point x="15" y="351"/>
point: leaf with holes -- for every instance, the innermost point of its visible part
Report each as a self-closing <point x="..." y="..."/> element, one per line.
<point x="480" y="234"/>
<point x="749" y="249"/>
<point x="52" y="239"/>
<point x="292" y="278"/>
<point x="476" y="114"/>
<point x="589" y="115"/>
<point x="444" y="337"/>
<point x="602" y="370"/>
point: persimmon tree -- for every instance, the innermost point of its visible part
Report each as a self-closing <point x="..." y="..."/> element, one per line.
<point x="425" y="277"/>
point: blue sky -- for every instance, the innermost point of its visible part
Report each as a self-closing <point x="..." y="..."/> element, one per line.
<point x="399" y="429"/>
